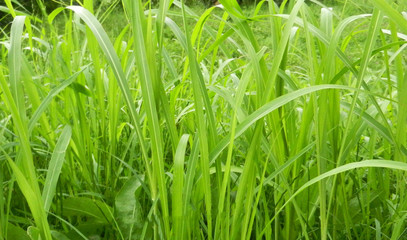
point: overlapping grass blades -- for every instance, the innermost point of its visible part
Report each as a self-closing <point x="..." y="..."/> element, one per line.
<point x="14" y="97"/>
<point x="231" y="124"/>
<point x="201" y="104"/>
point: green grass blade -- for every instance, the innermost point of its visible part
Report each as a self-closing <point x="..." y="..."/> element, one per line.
<point x="178" y="188"/>
<point x="150" y="91"/>
<point x="55" y="167"/>
<point x="14" y="97"/>
<point x="47" y="100"/>
<point x="201" y="103"/>
<point x="115" y="64"/>
<point x="188" y="211"/>
<point x="14" y="63"/>
<point x="268" y="108"/>
<point x="34" y="201"/>
<point x="351" y="166"/>
<point x="391" y="13"/>
<point x="371" y="121"/>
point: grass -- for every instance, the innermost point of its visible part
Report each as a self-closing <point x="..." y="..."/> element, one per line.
<point x="267" y="122"/>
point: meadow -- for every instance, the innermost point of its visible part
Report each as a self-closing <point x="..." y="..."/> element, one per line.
<point x="141" y="120"/>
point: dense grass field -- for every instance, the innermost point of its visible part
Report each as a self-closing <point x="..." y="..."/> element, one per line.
<point x="161" y="121"/>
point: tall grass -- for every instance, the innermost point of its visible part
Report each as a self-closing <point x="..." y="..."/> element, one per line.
<point x="273" y="122"/>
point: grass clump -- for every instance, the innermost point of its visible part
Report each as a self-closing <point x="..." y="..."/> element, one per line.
<point x="271" y="122"/>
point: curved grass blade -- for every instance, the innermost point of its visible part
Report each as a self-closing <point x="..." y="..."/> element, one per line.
<point x="350" y="166"/>
<point x="14" y="63"/>
<point x="287" y="164"/>
<point x="371" y="121"/>
<point x="33" y="200"/>
<point x="266" y="109"/>
<point x="47" y="100"/>
<point x="55" y="167"/>
<point x="70" y="225"/>
<point x="115" y="64"/>
<point x="391" y="13"/>
<point x="189" y="184"/>
<point x="201" y="102"/>
<point x="150" y="91"/>
<point x="178" y="187"/>
<point x="14" y="98"/>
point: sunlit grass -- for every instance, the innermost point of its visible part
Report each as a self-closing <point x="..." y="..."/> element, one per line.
<point x="271" y="122"/>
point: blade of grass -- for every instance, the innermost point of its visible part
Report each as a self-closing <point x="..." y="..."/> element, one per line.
<point x="178" y="188"/>
<point x="114" y="62"/>
<point x="47" y="100"/>
<point x="345" y="168"/>
<point x="16" y="105"/>
<point x="33" y="200"/>
<point x="201" y="103"/>
<point x="391" y="13"/>
<point x="266" y="109"/>
<point x="55" y="167"/>
<point x="188" y="211"/>
<point x="149" y="88"/>
<point x="14" y="59"/>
